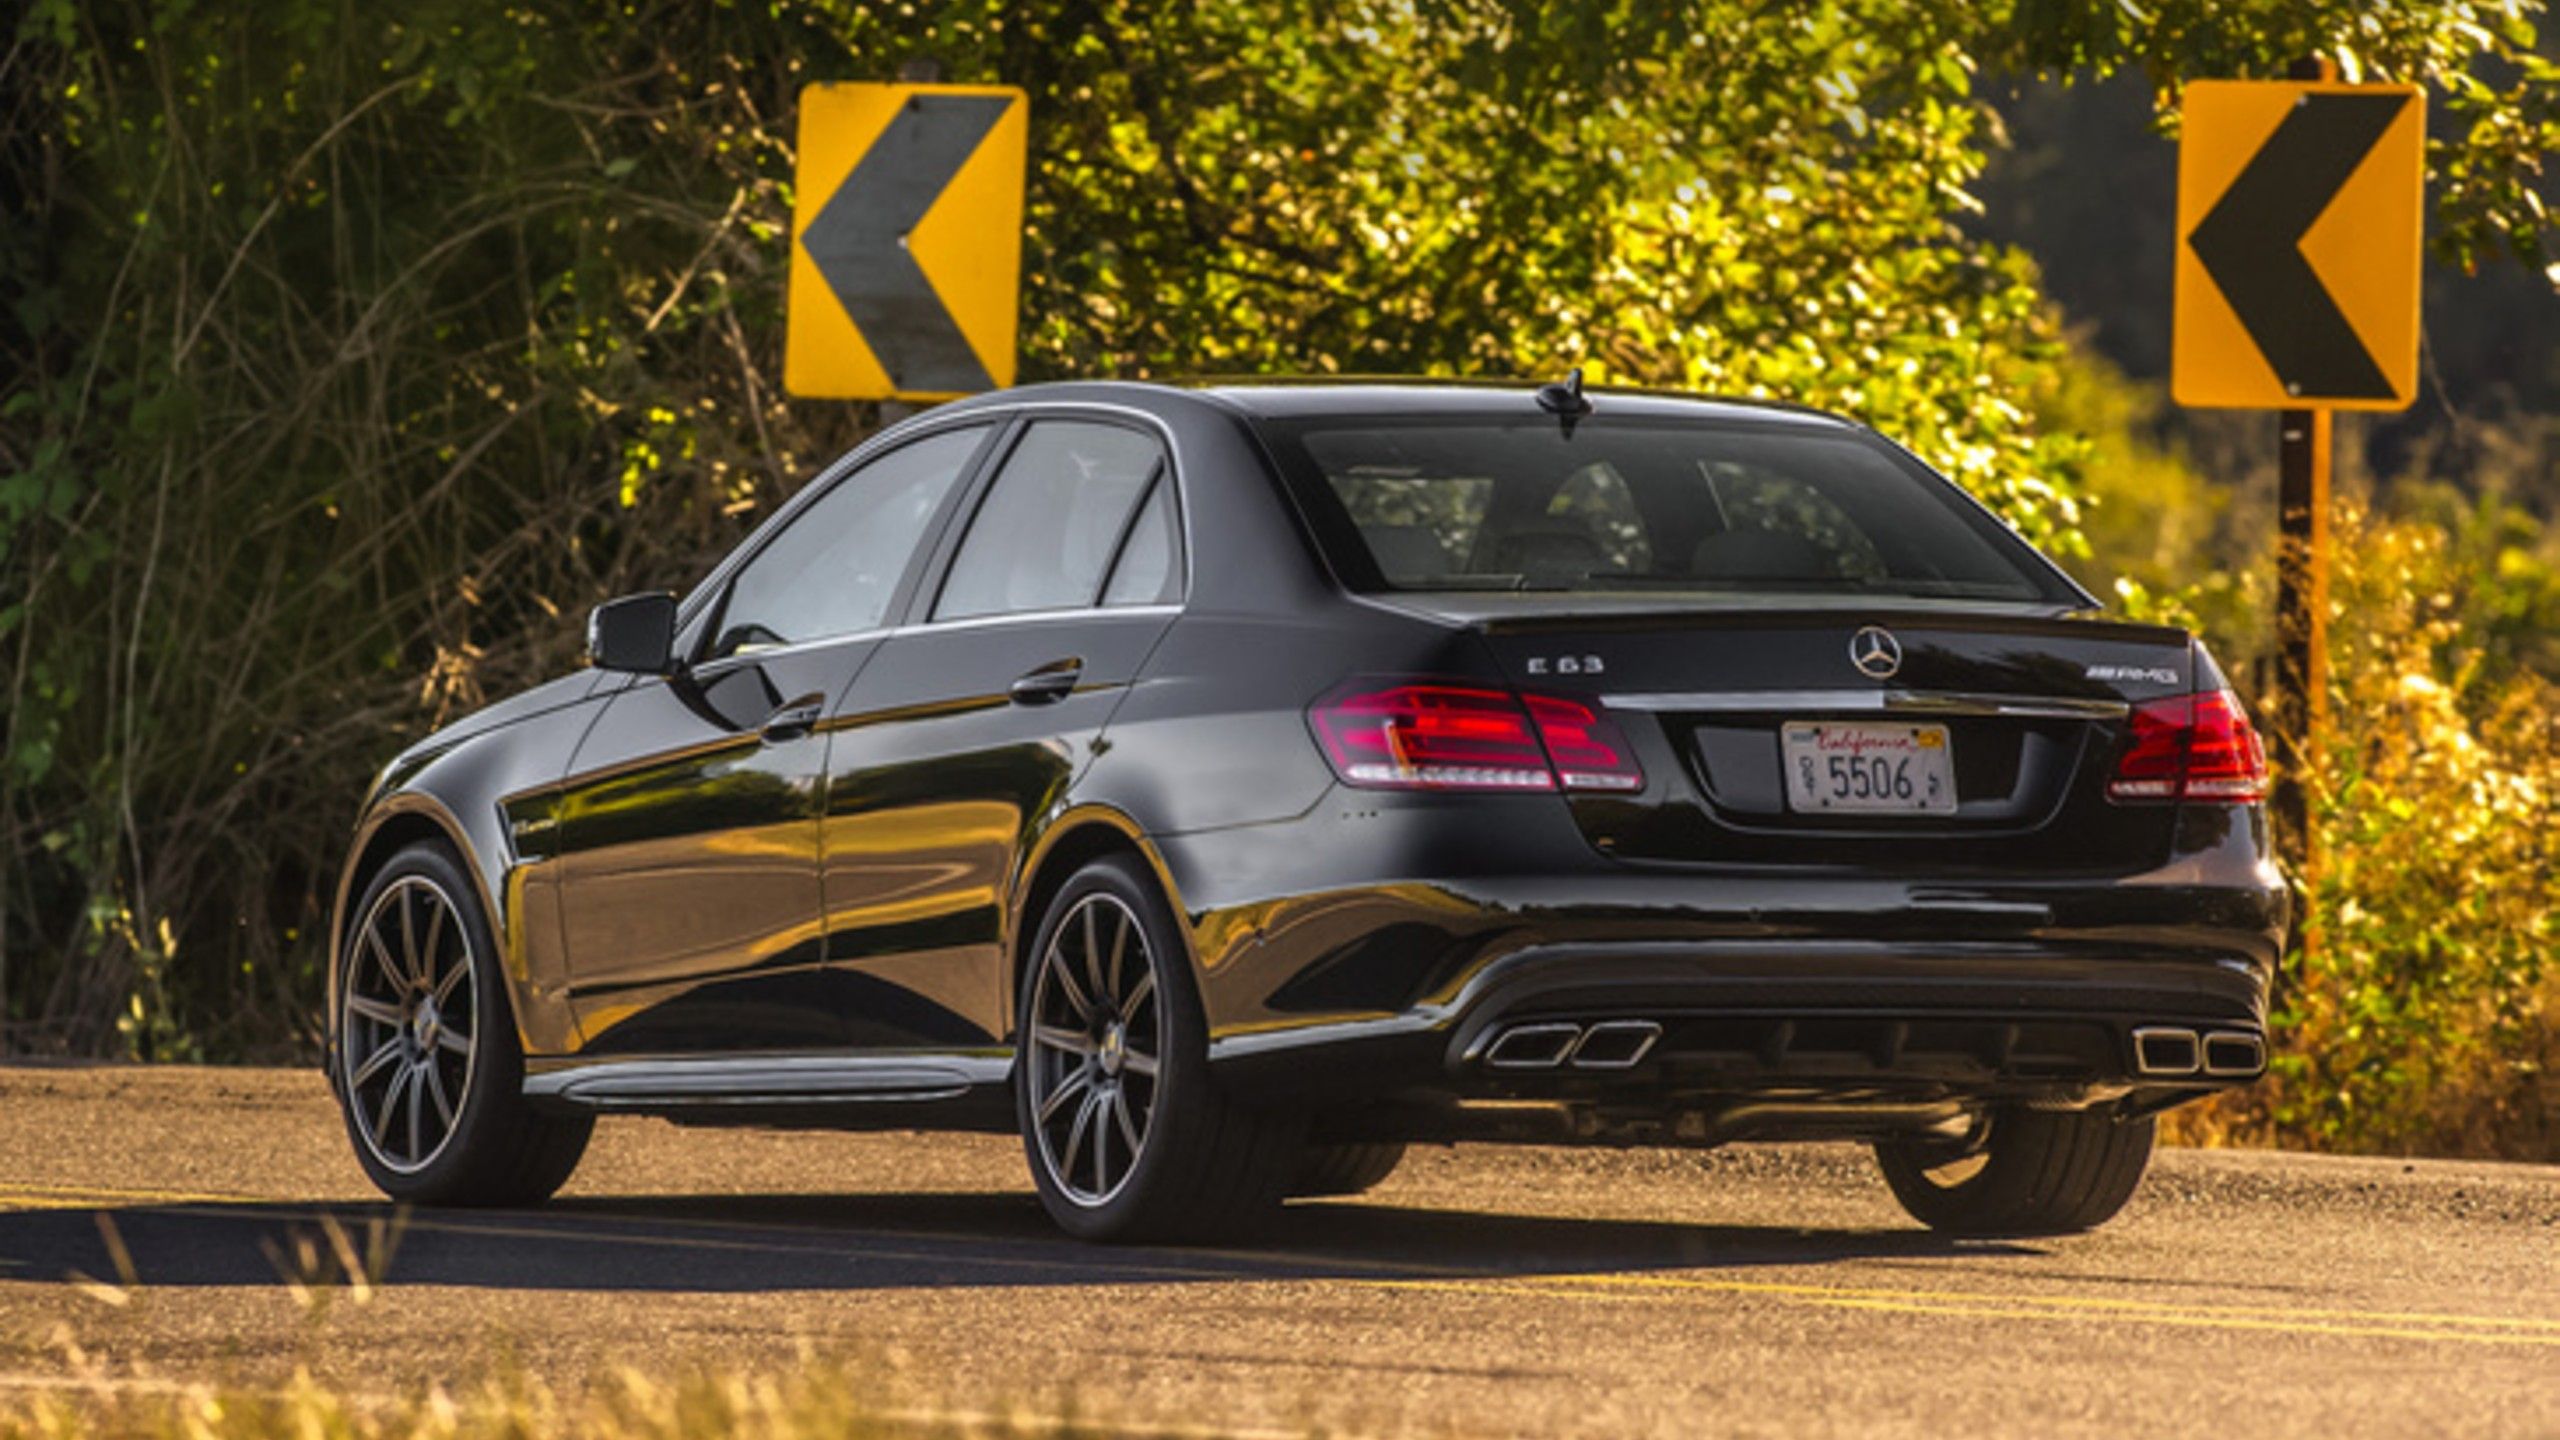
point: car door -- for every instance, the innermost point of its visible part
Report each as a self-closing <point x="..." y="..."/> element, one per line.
<point x="691" y="892"/>
<point x="974" y="718"/>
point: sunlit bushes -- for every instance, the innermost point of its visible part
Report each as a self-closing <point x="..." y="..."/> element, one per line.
<point x="2423" y="1014"/>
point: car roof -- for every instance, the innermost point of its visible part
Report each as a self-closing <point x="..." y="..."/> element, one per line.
<point x="1296" y="397"/>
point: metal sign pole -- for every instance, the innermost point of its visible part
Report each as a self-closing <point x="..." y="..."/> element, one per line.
<point x="2302" y="611"/>
<point x="2302" y="621"/>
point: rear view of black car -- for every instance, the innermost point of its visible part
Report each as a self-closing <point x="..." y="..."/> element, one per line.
<point x="1226" y="787"/>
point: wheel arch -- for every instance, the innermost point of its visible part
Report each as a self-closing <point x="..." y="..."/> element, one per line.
<point x="1077" y="838"/>
<point x="402" y="820"/>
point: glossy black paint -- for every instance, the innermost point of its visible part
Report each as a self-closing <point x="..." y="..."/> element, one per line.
<point x="819" y="859"/>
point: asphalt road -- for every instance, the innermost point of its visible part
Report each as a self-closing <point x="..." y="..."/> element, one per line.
<point x="1481" y="1291"/>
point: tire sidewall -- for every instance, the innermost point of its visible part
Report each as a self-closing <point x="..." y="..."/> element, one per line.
<point x="497" y="1066"/>
<point x="2010" y="1194"/>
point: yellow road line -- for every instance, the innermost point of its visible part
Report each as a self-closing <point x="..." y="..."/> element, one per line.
<point x="2209" y="1320"/>
<point x="2091" y="1302"/>
<point x="23" y="1196"/>
<point x="2407" y="1325"/>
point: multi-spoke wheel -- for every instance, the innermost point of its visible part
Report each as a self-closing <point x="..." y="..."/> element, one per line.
<point x="1128" y="1135"/>
<point x="1097" y="1035"/>
<point x="410" y="1009"/>
<point x="428" y="1068"/>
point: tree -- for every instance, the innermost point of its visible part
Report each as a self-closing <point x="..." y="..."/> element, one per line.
<point x="355" y="349"/>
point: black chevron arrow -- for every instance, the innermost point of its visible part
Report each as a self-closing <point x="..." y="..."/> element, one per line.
<point x="860" y="242"/>
<point x="2251" y="244"/>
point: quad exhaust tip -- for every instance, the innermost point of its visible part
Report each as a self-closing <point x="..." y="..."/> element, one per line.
<point x="1609" y="1045"/>
<point x="2166" y="1050"/>
<point x="1531" y="1047"/>
<point x="1615" y="1044"/>
<point x="2173" y="1050"/>
<point x="2234" y="1052"/>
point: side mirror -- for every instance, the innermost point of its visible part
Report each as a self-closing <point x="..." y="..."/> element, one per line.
<point x="635" y="634"/>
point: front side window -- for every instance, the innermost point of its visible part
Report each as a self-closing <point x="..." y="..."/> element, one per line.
<point x="1056" y="516"/>
<point x="1649" y="504"/>
<point x="834" y="570"/>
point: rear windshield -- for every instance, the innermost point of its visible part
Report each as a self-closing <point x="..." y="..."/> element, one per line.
<point x="1474" y="504"/>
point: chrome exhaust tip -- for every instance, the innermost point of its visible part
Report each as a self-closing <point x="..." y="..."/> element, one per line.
<point x="1615" y="1044"/>
<point x="2234" y="1052"/>
<point x="1531" y="1047"/>
<point x="2166" y="1050"/>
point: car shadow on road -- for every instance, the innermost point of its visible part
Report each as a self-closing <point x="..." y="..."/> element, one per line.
<point x="735" y="1244"/>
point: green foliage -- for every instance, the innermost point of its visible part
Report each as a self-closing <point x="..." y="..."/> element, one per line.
<point x="2425" y="1013"/>
<point x="2500" y="96"/>
<point x="2164" y="542"/>
<point x="353" y="350"/>
<point x="2422" y="1013"/>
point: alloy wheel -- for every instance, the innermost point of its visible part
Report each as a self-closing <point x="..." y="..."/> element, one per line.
<point x="409" y="1014"/>
<point x="1096" y="1049"/>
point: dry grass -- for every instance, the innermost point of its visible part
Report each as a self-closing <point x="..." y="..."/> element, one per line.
<point x="818" y="1398"/>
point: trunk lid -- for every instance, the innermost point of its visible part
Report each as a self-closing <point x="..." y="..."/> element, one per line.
<point x="2026" y="705"/>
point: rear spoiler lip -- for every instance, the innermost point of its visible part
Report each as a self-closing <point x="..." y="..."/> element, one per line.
<point x="1977" y="616"/>
<point x="1906" y="704"/>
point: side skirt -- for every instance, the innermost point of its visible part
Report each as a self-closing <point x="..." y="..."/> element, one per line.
<point x="921" y="1090"/>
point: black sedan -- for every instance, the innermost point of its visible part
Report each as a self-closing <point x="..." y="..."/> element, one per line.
<point x="1226" y="787"/>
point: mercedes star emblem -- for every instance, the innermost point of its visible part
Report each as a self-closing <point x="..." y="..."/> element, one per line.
<point x="1875" y="652"/>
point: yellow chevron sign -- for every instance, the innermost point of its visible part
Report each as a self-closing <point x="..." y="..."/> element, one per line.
<point x="2300" y="208"/>
<point x="906" y="241"/>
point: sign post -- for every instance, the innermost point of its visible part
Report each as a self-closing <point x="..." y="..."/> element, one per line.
<point x="2300" y="212"/>
<point x="906" y="241"/>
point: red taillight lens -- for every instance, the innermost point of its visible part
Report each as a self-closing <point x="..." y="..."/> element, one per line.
<point x="2193" y="747"/>
<point x="1588" y="751"/>
<point x="2225" y="760"/>
<point x="1431" y="737"/>
<point x="1457" y="737"/>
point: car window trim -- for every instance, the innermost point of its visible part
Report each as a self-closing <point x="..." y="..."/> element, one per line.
<point x="1086" y="613"/>
<point x="920" y="614"/>
<point x="715" y="668"/>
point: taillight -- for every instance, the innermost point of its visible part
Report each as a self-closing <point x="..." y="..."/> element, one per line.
<point x="1459" y="737"/>
<point x="2191" y="747"/>
<point x="1588" y="751"/>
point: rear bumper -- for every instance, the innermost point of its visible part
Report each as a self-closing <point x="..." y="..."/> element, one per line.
<point x="1967" y="984"/>
<point x="1979" y="1022"/>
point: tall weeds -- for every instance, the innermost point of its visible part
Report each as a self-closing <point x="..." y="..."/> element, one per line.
<point x="325" y="332"/>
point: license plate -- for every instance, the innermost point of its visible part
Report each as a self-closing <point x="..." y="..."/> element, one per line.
<point x="1869" y="768"/>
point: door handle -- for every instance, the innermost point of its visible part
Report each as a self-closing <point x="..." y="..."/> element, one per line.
<point x="793" y="720"/>
<point x="1051" y="682"/>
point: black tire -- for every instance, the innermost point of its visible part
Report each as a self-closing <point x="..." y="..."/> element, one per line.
<point x="1206" y="1167"/>
<point x="2040" y="1172"/>
<point x="1348" y="1169"/>
<point x="497" y="1149"/>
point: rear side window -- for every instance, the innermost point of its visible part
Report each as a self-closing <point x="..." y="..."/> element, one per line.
<point x="1148" y="571"/>
<point x="1649" y="505"/>
<point x="1053" y="521"/>
<point x="835" y="568"/>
